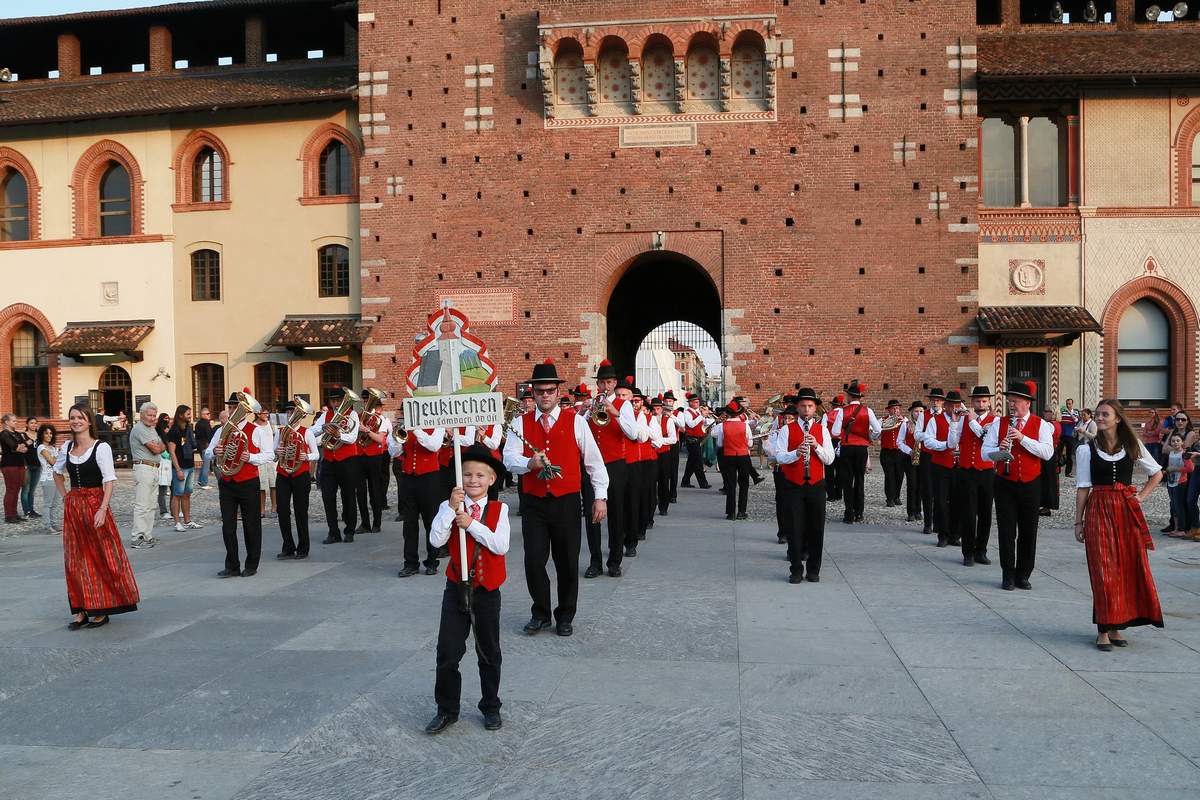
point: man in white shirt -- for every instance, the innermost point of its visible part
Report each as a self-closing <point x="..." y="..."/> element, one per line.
<point x="854" y="426"/>
<point x="238" y="492"/>
<point x="693" y="429"/>
<point x="908" y="439"/>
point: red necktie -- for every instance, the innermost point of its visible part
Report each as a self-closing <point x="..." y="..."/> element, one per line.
<point x="546" y="423"/>
<point x="475" y="511"/>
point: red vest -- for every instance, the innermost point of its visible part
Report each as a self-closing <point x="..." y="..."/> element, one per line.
<point x="857" y="433"/>
<point x="696" y="430"/>
<point x="609" y="438"/>
<point x="248" y="471"/>
<point x="941" y="432"/>
<point x="664" y="424"/>
<point x="1025" y="466"/>
<point x="646" y="449"/>
<point x="446" y="453"/>
<point x="561" y="448"/>
<point x="910" y="439"/>
<point x="733" y="439"/>
<point x="828" y="418"/>
<point x="635" y="451"/>
<point x="889" y="440"/>
<point x="487" y="568"/>
<point x="794" y="472"/>
<point x="970" y="446"/>
<point x="347" y="450"/>
<point x="374" y="448"/>
<point x="303" y="445"/>
<point x="418" y="460"/>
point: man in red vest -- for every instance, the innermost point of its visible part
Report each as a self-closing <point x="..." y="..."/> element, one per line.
<point x="293" y="488"/>
<point x="554" y="436"/>
<point x="804" y="451"/>
<point x="693" y="430"/>
<point x="936" y="445"/>
<point x="976" y="477"/>
<point x="1020" y="442"/>
<point x="855" y="427"/>
<point x="640" y="458"/>
<point x="239" y="496"/>
<point x="890" y="459"/>
<point x="733" y="437"/>
<point x="612" y="439"/>
<point x="909" y="441"/>
<point x="663" y="439"/>
<point x="673" y="413"/>
<point x="418" y="494"/>
<point x="373" y="450"/>
<point x="341" y="472"/>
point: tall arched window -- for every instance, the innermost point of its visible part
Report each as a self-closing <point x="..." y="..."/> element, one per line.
<point x="570" y="79"/>
<point x="333" y="271"/>
<point x="749" y="64"/>
<point x="658" y="70"/>
<point x="116" y="392"/>
<point x="1045" y="186"/>
<point x="271" y="385"/>
<point x="116" y="202"/>
<point x="335" y="169"/>
<point x="14" y="206"/>
<point x="335" y="375"/>
<point x="703" y="68"/>
<point x="1144" y="355"/>
<point x="613" y="72"/>
<point x="206" y="275"/>
<point x="208" y="386"/>
<point x="30" y="373"/>
<point x="208" y="177"/>
<point x="999" y="163"/>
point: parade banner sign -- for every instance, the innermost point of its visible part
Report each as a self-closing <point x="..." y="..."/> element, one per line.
<point x="454" y="410"/>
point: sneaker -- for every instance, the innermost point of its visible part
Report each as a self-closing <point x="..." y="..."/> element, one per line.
<point x="54" y="531"/>
<point x="140" y="544"/>
<point x="179" y="528"/>
<point x="167" y="516"/>
<point x="152" y="540"/>
<point x="193" y="524"/>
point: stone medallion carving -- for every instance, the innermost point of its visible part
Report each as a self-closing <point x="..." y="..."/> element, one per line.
<point x="1026" y="276"/>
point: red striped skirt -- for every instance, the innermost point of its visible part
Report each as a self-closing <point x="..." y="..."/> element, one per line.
<point x="99" y="578"/>
<point x="1116" y="538"/>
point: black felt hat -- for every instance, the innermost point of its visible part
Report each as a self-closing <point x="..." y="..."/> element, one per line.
<point x="981" y="391"/>
<point x="546" y="372"/>
<point x="1026" y="389"/>
<point x="606" y="370"/>
<point x="477" y="452"/>
<point x="806" y="394"/>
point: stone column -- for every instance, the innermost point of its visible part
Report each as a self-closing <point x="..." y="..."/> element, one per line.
<point x="680" y="83"/>
<point x="1073" y="160"/>
<point x="635" y="84"/>
<point x="1024" y="161"/>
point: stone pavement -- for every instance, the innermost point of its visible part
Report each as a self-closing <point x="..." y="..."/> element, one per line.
<point x="699" y="674"/>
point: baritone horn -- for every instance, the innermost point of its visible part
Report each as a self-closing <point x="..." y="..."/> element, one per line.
<point x="292" y="443"/>
<point x="339" y="423"/>
<point x="233" y="441"/>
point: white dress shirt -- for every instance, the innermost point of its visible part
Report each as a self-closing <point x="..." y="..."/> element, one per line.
<point x="496" y="541"/>
<point x="516" y="462"/>
<point x="1083" y="463"/>
<point x="349" y="436"/>
<point x="314" y="450"/>
<point x="263" y="438"/>
<point x="929" y="440"/>
<point x="104" y="459"/>
<point x="718" y="431"/>
<point x="902" y="434"/>
<point x="844" y="413"/>
<point x="823" y="450"/>
<point x="690" y="417"/>
<point x="467" y="437"/>
<point x="1042" y="447"/>
<point x="657" y="437"/>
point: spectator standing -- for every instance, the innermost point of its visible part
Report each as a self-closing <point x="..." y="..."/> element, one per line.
<point x="164" y="469"/>
<point x="12" y="465"/>
<point x="33" y="470"/>
<point x="1178" y="468"/>
<point x="145" y="450"/>
<point x="1050" y="465"/>
<point x="181" y="445"/>
<point x="47" y="454"/>
<point x="1151" y="433"/>
<point x="1068" y="418"/>
<point x="266" y="470"/>
<point x="203" y="431"/>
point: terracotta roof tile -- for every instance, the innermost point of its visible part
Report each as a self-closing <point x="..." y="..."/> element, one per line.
<point x="316" y="331"/>
<point x="1092" y="54"/>
<point x="115" y="336"/>
<point x="1036" y="319"/>
<point x="25" y="103"/>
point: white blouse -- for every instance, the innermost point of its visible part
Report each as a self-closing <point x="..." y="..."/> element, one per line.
<point x="104" y="460"/>
<point x="1083" y="463"/>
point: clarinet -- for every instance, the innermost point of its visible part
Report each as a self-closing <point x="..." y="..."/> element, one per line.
<point x="806" y="451"/>
<point x="1008" y="442"/>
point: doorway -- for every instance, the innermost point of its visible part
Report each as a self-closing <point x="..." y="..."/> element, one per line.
<point x="116" y="392"/>
<point x="1028" y="367"/>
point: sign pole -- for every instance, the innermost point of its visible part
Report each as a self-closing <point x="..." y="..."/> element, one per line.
<point x="462" y="539"/>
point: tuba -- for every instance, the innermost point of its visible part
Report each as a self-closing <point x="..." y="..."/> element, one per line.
<point x="339" y="423"/>
<point x="369" y="418"/>
<point x="292" y="450"/>
<point x="232" y="440"/>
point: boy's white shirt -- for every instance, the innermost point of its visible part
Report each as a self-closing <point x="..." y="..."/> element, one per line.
<point x="497" y="541"/>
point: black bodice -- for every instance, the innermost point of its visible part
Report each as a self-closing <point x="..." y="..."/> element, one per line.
<point x="86" y="475"/>
<point x="1106" y="473"/>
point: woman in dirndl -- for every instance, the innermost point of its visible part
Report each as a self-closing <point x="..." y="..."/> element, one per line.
<point x="99" y="579"/>
<point x="1109" y="521"/>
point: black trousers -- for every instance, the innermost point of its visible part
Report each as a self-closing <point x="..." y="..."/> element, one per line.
<point x="234" y="497"/>
<point x="662" y="480"/>
<point x="1066" y="446"/>
<point x="939" y="479"/>
<point x="374" y="476"/>
<point x="975" y="521"/>
<point x="550" y="526"/>
<point x="453" y="631"/>
<point x="735" y="472"/>
<point x="649" y="470"/>
<point x="852" y="469"/>
<point x="892" y="464"/>
<point x="1017" y="507"/>
<point x="673" y="472"/>
<point x="833" y="485"/>
<point x="398" y="472"/>
<point x="420" y="497"/>
<point x="925" y="483"/>
<point x="386" y="472"/>
<point x="618" y="477"/>
<point x="635" y="502"/>
<point x="912" y="489"/>
<point x="341" y="477"/>
<point x="292" y="492"/>
<point x="955" y="505"/>
<point x="1049" y="480"/>
<point x="805" y="511"/>
<point x="721" y="469"/>
<point x="783" y="520"/>
<point x="695" y="463"/>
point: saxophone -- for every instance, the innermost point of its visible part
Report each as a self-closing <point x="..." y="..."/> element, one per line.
<point x="339" y="423"/>
<point x="232" y="440"/>
<point x="292" y="451"/>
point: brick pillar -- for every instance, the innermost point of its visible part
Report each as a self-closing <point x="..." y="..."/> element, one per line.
<point x="1073" y="159"/>
<point x="1123" y="14"/>
<point x="350" y="38"/>
<point x="1010" y="13"/>
<point x="255" y="42"/>
<point x="161" y="58"/>
<point x="68" y="56"/>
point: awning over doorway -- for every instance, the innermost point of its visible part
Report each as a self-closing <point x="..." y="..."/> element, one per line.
<point x="300" y="333"/>
<point x="1034" y="326"/>
<point x="114" y="337"/>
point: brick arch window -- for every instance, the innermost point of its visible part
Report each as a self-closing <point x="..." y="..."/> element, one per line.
<point x="330" y="157"/>
<point x="703" y="68"/>
<point x="202" y="168"/>
<point x="1133" y="333"/>
<point x="748" y="67"/>
<point x="1187" y="165"/>
<point x="107" y="168"/>
<point x="29" y="374"/>
<point x="613" y="71"/>
<point x="208" y="386"/>
<point x="570" y="78"/>
<point x="206" y="274"/>
<point x="271" y="385"/>
<point x="333" y="271"/>
<point x="658" y="69"/>
<point x="20" y="198"/>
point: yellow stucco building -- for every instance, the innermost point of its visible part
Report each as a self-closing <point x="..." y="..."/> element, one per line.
<point x="179" y="210"/>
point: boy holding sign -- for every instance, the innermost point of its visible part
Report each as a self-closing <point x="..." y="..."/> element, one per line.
<point x="474" y="603"/>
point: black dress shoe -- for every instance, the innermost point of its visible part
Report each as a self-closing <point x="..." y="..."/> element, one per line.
<point x="441" y="722"/>
<point x="98" y="622"/>
<point x="1007" y="584"/>
<point x="706" y="486"/>
<point x="684" y="486"/>
<point x="722" y="490"/>
<point x="492" y="721"/>
<point x="592" y="571"/>
<point x="376" y="528"/>
<point x="1023" y="583"/>
<point x="631" y="552"/>
<point x="285" y="556"/>
<point x="641" y="537"/>
<point x="1105" y="647"/>
<point x="1167" y="529"/>
<point x="407" y="572"/>
<point x="229" y="573"/>
<point x="249" y="573"/>
<point x="564" y="629"/>
<point x="430" y="570"/>
<point x="968" y="561"/>
<point x="301" y="556"/>
<point x="348" y="538"/>
<point x="614" y="572"/>
<point x="536" y="625"/>
<point x="743" y="515"/>
<point x="981" y="558"/>
<point x="781" y="539"/>
<point x="911" y="518"/>
<point x="75" y="625"/>
<point x="331" y="539"/>
<point x="941" y="541"/>
<point x="796" y="577"/>
<point x="759" y="480"/>
<point x="858" y="518"/>
<point x="649" y="524"/>
<point x="1119" y="642"/>
<point x="811" y="578"/>
<point x="364" y="528"/>
<point x="662" y="512"/>
<point x="1045" y="512"/>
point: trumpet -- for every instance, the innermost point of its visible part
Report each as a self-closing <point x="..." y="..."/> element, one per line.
<point x="598" y="415"/>
<point x="399" y="432"/>
<point x="292" y="449"/>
